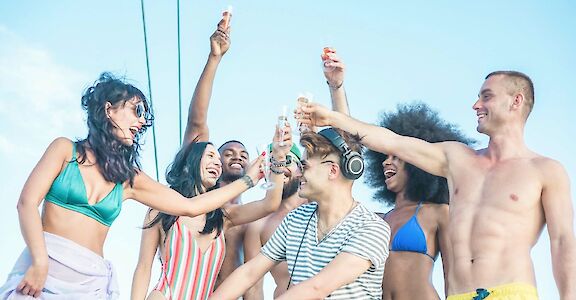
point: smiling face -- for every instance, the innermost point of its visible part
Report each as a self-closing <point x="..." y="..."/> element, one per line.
<point x="234" y="160"/>
<point x="395" y="174"/>
<point x="494" y="105"/>
<point x="127" y="119"/>
<point x="210" y="166"/>
<point x="315" y="174"/>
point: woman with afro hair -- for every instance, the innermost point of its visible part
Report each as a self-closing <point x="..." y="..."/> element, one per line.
<point x="419" y="215"/>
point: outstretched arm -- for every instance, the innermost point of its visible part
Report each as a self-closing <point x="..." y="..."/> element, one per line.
<point x="559" y="216"/>
<point x="334" y="73"/>
<point x="430" y="157"/>
<point x="157" y="196"/>
<point x="245" y="213"/>
<point x="197" y="125"/>
<point x="148" y="246"/>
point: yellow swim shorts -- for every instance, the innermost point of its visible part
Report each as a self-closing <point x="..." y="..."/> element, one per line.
<point x="512" y="291"/>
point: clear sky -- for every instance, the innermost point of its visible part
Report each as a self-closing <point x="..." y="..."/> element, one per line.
<point x="434" y="51"/>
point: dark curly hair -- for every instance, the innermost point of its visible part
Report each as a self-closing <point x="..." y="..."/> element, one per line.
<point x="117" y="161"/>
<point x="420" y="121"/>
<point x="184" y="176"/>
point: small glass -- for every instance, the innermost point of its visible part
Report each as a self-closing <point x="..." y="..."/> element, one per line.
<point x="302" y="100"/>
<point x="282" y="122"/>
<point x="265" y="167"/>
<point x="326" y="59"/>
<point x="226" y="15"/>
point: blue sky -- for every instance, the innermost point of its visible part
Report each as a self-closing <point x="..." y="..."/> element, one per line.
<point x="437" y="52"/>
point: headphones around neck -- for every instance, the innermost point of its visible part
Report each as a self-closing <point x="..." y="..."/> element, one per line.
<point x="351" y="162"/>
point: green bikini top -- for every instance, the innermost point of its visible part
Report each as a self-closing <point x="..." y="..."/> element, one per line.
<point x="68" y="191"/>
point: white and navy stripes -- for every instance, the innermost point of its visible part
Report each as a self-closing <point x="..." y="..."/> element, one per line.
<point x="361" y="233"/>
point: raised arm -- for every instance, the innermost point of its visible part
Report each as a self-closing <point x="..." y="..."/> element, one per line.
<point x="197" y="125"/>
<point x="245" y="213"/>
<point x="243" y="278"/>
<point x="430" y="157"/>
<point x="559" y="216"/>
<point x="334" y="73"/>
<point x="35" y="189"/>
<point x="148" y="246"/>
<point x="157" y="196"/>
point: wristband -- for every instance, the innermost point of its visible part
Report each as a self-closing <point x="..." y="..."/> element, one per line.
<point x="335" y="87"/>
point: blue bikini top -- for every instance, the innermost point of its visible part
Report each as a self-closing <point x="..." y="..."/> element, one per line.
<point x="410" y="237"/>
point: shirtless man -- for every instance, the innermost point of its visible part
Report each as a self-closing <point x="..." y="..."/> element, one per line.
<point x="233" y="154"/>
<point x="501" y="196"/>
<point x="259" y="232"/>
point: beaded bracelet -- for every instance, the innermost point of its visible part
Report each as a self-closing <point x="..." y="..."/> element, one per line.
<point x="278" y="163"/>
<point x="276" y="170"/>
<point x="248" y="181"/>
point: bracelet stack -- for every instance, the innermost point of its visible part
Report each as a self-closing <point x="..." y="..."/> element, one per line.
<point x="248" y="181"/>
<point x="278" y="163"/>
<point x="276" y="170"/>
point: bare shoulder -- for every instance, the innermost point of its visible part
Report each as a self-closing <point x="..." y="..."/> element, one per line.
<point x="141" y="180"/>
<point x="437" y="208"/>
<point x="549" y="169"/>
<point x="460" y="153"/>
<point x="257" y="225"/>
<point x="453" y="147"/>
<point x="61" y="145"/>
<point x="438" y="212"/>
<point x="151" y="214"/>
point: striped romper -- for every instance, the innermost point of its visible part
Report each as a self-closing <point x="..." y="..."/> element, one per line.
<point x="187" y="273"/>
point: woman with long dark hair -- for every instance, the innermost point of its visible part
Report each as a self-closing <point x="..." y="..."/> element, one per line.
<point x="84" y="184"/>
<point x="192" y="249"/>
<point x="420" y="205"/>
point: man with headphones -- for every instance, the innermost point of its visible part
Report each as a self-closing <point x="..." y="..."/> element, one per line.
<point x="334" y="246"/>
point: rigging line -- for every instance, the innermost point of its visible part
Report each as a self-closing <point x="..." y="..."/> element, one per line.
<point x="179" y="74"/>
<point x="149" y="87"/>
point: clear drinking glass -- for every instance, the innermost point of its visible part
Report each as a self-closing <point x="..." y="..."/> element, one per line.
<point x="303" y="98"/>
<point x="265" y="166"/>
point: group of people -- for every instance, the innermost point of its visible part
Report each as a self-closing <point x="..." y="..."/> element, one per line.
<point x="481" y="211"/>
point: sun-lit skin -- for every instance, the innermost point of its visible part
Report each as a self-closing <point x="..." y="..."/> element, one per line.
<point x="211" y="166"/>
<point x="407" y="274"/>
<point x="234" y="159"/>
<point x="396" y="177"/>
<point x="494" y="107"/>
<point x="125" y="120"/>
<point x="311" y="180"/>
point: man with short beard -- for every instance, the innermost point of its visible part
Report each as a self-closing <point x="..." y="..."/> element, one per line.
<point x="259" y="232"/>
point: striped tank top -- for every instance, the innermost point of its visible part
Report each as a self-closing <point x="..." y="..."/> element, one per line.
<point x="187" y="273"/>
